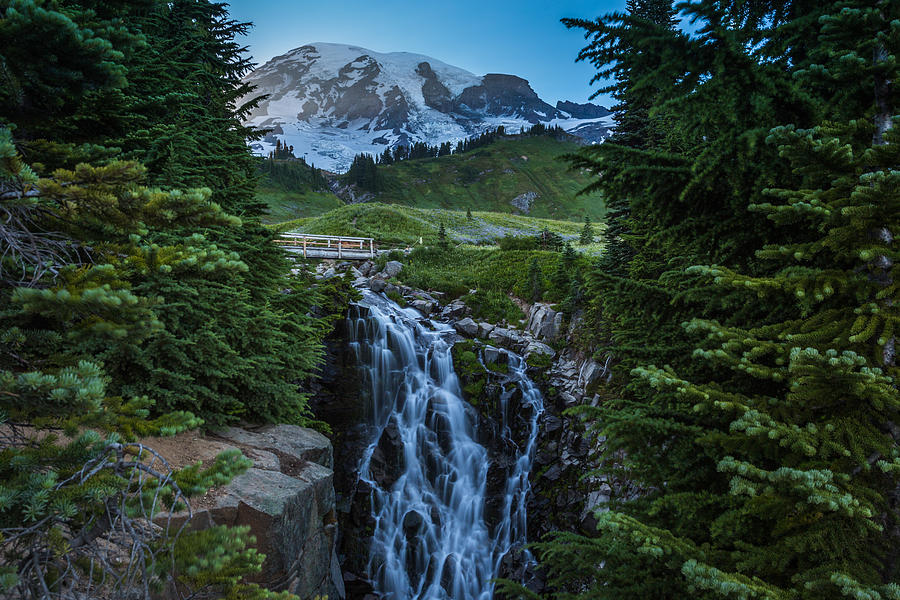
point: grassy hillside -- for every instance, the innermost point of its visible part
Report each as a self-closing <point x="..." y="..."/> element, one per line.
<point x="286" y="204"/>
<point x="292" y="188"/>
<point x="485" y="179"/>
<point x="489" y="178"/>
<point x="404" y="225"/>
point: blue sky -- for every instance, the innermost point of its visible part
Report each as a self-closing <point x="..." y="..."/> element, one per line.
<point x="523" y="37"/>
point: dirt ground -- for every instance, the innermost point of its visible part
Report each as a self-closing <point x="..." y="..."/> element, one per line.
<point x="186" y="449"/>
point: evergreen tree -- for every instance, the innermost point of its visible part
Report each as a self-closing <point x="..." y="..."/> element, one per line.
<point x="72" y="505"/>
<point x="442" y="236"/>
<point x="646" y="22"/>
<point x="587" y="232"/>
<point x="547" y="240"/>
<point x="364" y="173"/>
<point x="135" y="277"/>
<point x="719" y="92"/>
<point x="560" y="281"/>
<point x="291" y="175"/>
<point x="535" y="281"/>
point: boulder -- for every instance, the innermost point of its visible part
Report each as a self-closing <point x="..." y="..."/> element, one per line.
<point x="467" y="327"/>
<point x="485" y="329"/>
<point x="425" y="307"/>
<point x="367" y="268"/>
<point x="506" y="338"/>
<point x="413" y="522"/>
<point x="391" y="269"/>
<point x="568" y="400"/>
<point x="454" y="310"/>
<point x="388" y="462"/>
<point x="377" y="284"/>
<point x="262" y="459"/>
<point x="553" y="473"/>
<point x="550" y="423"/>
<point x="538" y="348"/>
<point x="292" y="444"/>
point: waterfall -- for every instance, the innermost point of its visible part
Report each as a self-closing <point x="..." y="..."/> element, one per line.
<point x="431" y="537"/>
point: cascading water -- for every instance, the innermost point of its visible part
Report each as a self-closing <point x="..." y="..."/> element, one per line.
<point x="431" y="538"/>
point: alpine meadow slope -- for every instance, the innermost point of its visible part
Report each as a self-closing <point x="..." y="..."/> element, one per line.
<point x="514" y="175"/>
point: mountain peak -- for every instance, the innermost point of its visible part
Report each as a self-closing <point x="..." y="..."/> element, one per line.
<point x="333" y="101"/>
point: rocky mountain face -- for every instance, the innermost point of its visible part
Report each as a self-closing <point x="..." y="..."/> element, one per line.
<point x="334" y="101"/>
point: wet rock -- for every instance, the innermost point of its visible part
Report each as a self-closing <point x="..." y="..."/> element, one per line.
<point x="448" y="573"/>
<point x="499" y="469"/>
<point x="425" y="307"/>
<point x="495" y="356"/>
<point x="413" y="523"/>
<point x="518" y="565"/>
<point x="387" y="461"/>
<point x="466" y="327"/>
<point x="377" y="284"/>
<point x="357" y="586"/>
<point x="440" y="424"/>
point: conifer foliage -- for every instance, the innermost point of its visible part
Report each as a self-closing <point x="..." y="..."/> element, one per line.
<point x="73" y="509"/>
<point x="752" y="309"/>
<point x="140" y="294"/>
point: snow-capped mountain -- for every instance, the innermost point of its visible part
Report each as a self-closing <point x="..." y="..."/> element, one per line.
<point x="333" y="101"/>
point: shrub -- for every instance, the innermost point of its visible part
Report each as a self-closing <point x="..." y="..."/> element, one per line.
<point x="518" y="243"/>
<point x="493" y="306"/>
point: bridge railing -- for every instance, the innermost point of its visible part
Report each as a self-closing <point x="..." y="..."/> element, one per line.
<point x="328" y="246"/>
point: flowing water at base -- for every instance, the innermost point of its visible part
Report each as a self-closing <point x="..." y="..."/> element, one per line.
<point x="431" y="538"/>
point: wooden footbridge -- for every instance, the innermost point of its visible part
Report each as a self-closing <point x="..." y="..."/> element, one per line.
<point x="328" y="246"/>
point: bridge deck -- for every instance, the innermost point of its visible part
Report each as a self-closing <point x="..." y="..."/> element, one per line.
<point x="328" y="246"/>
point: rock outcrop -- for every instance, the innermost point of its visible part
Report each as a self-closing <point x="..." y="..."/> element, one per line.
<point x="544" y="323"/>
<point x="287" y="499"/>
